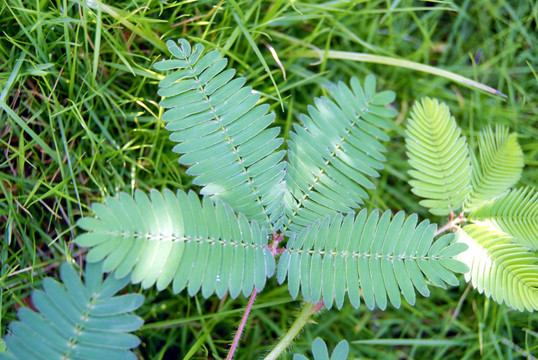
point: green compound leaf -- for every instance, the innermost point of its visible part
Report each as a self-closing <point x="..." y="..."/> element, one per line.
<point x="76" y="320"/>
<point x="380" y="257"/>
<point x="172" y="238"/>
<point x="439" y="156"/>
<point x="501" y="269"/>
<point x="223" y="136"/>
<point x="498" y="167"/>
<point x="515" y="212"/>
<point x="332" y="157"/>
<point x="320" y="351"/>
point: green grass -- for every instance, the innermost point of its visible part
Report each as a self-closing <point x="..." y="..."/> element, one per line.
<point x="79" y="120"/>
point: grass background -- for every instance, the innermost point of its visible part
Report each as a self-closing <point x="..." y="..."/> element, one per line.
<point x="80" y="120"/>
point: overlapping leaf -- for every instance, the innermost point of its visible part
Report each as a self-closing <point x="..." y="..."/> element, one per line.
<point x="320" y="351"/>
<point x="501" y="269"/>
<point x="498" y="166"/>
<point x="333" y="155"/>
<point x="514" y="212"/>
<point x="380" y="257"/>
<point x="439" y="156"/>
<point x="222" y="135"/>
<point x="76" y="320"/>
<point x="171" y="238"/>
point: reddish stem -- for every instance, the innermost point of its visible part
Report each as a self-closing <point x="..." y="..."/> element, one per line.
<point x="274" y="250"/>
<point x="317" y="307"/>
<point x="276" y="239"/>
<point x="242" y="325"/>
<point x="452" y="223"/>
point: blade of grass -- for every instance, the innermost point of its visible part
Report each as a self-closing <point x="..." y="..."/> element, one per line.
<point x="259" y="55"/>
<point x="148" y="35"/>
<point x="386" y="60"/>
<point x="413" y="342"/>
<point x="97" y="43"/>
<point x="12" y="78"/>
<point x="13" y="115"/>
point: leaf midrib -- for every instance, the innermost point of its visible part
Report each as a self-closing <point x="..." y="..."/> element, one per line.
<point x="332" y="155"/>
<point x="229" y="139"/>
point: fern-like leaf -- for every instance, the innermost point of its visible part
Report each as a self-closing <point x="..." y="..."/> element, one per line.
<point x="320" y="351"/>
<point x="498" y="167"/>
<point x="332" y="156"/>
<point x="171" y="238"/>
<point x="499" y="268"/>
<point x="222" y="135"/>
<point x="76" y="320"/>
<point x="378" y="256"/>
<point x="439" y="156"/>
<point x="514" y="212"/>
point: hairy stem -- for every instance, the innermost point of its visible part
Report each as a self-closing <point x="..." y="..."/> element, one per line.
<point x="242" y="325"/>
<point x="299" y="323"/>
<point x="274" y="250"/>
